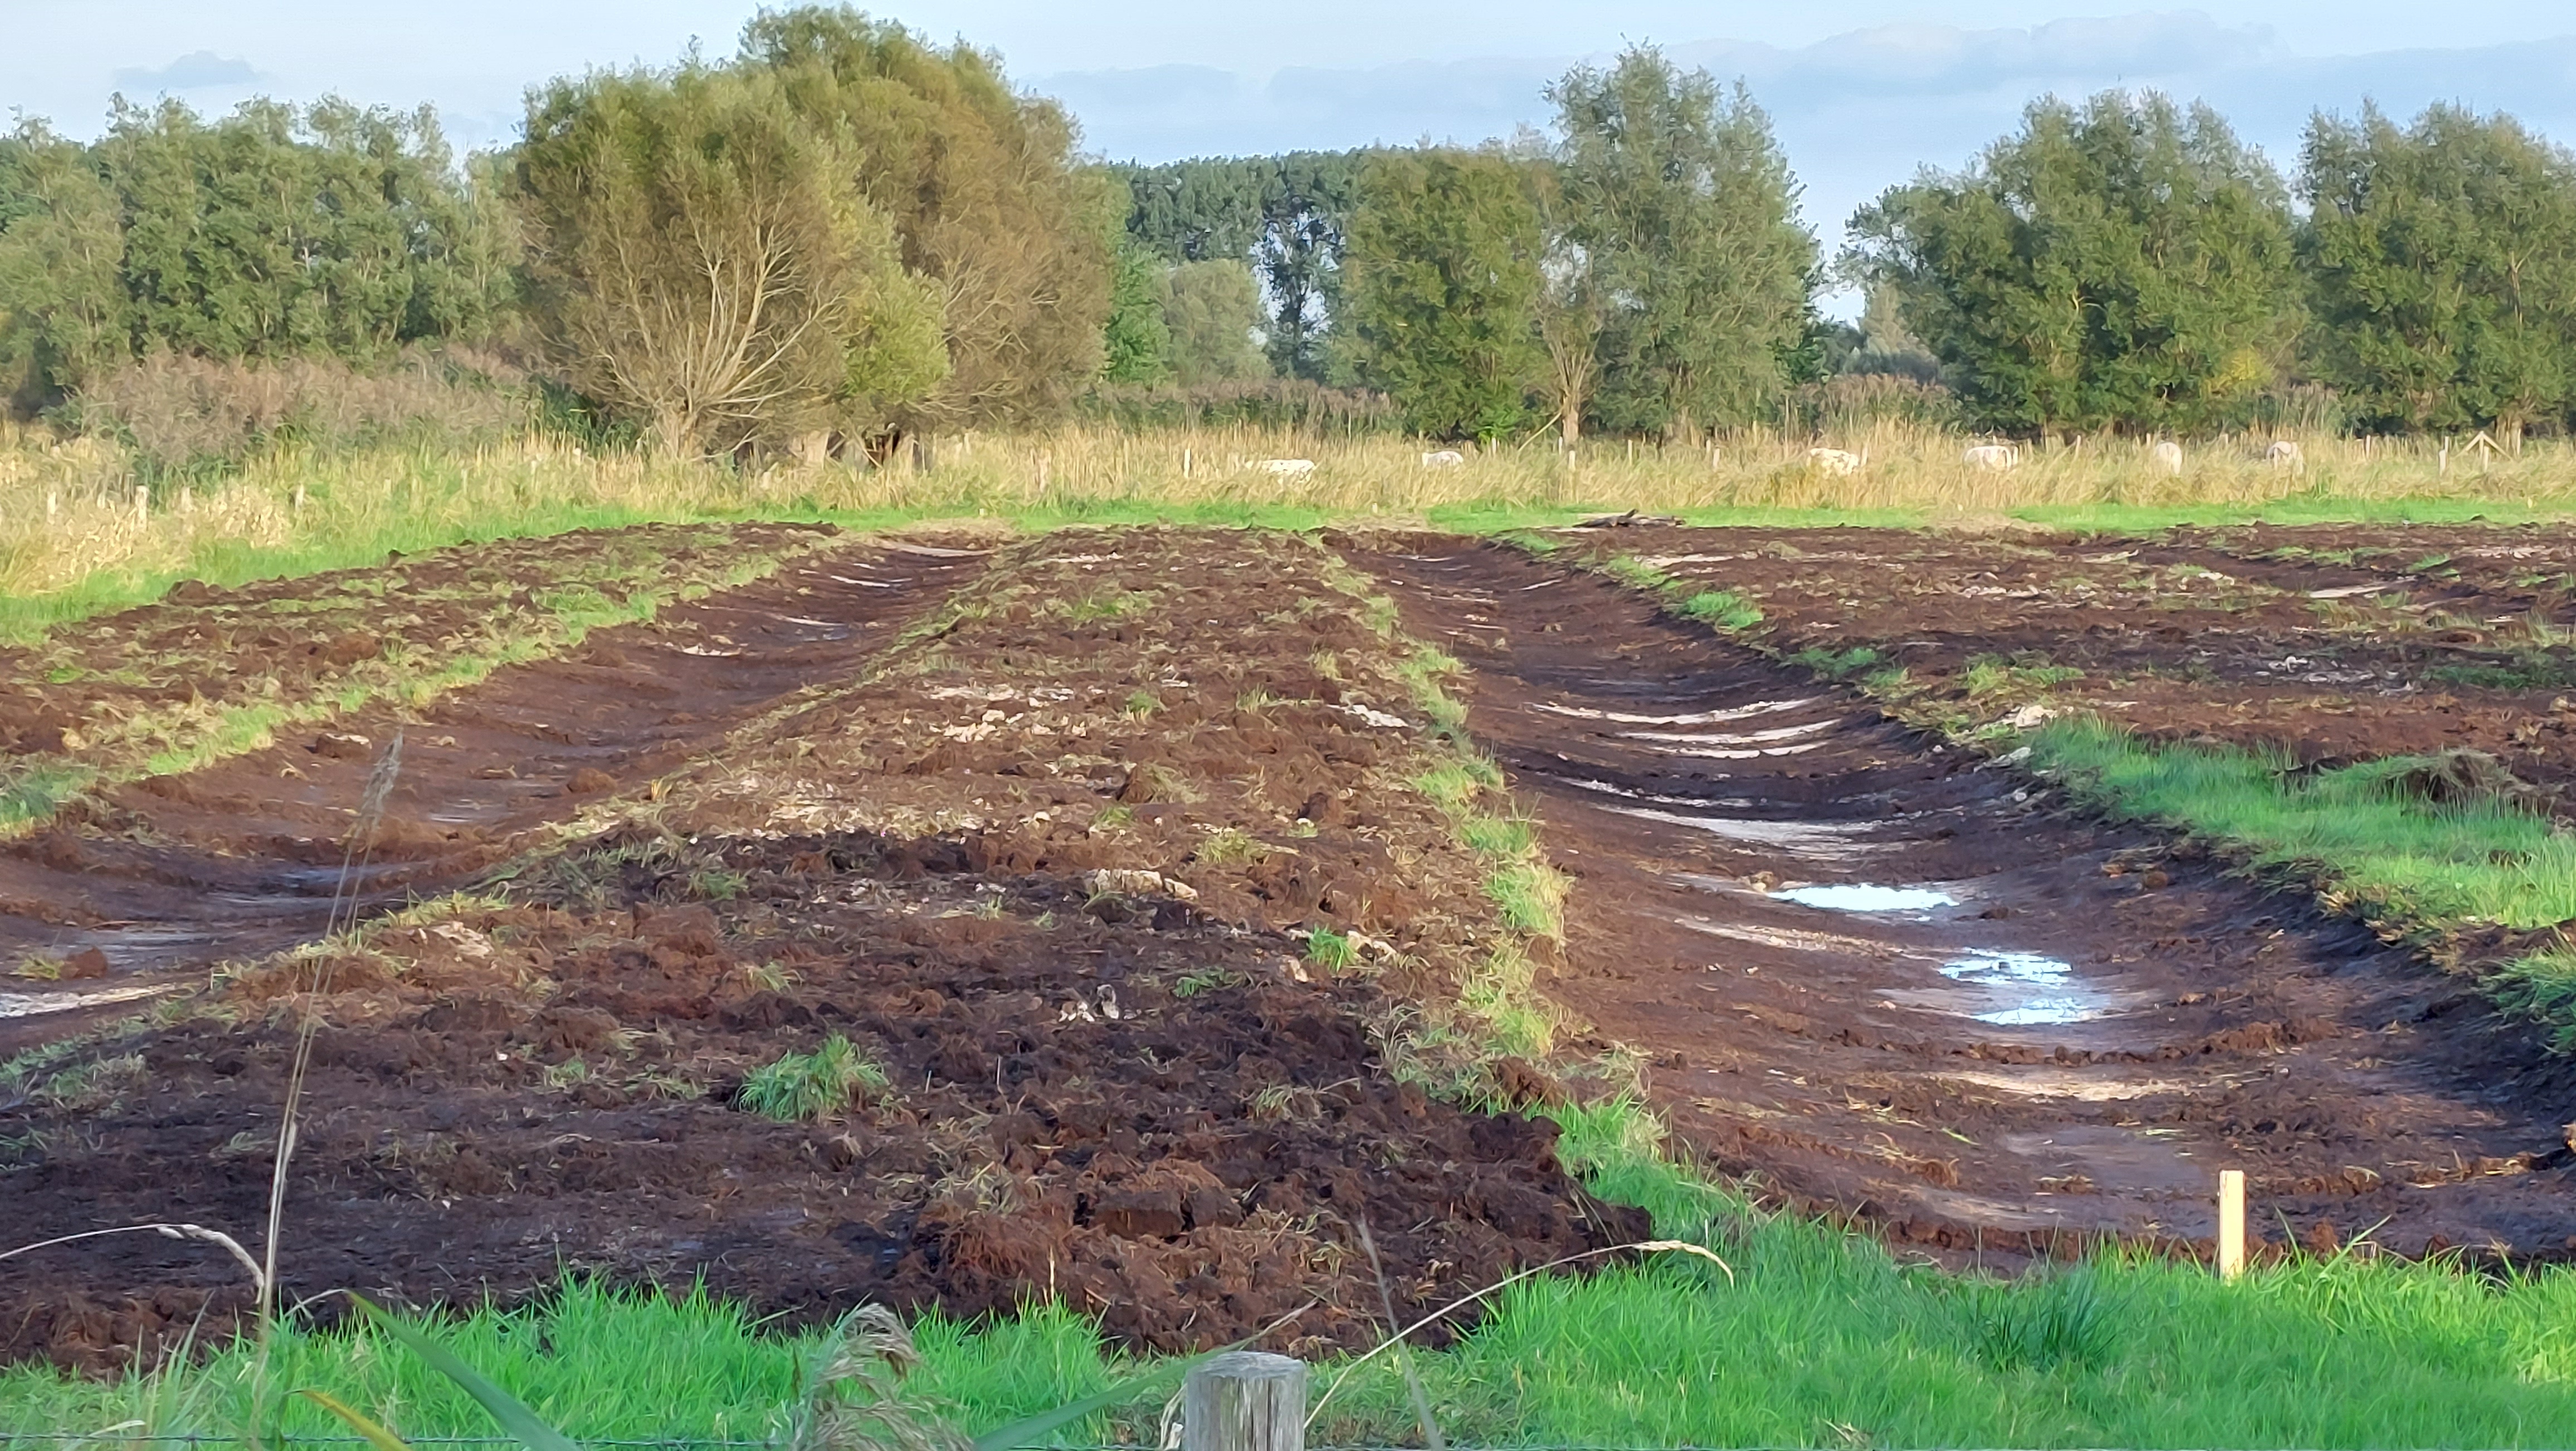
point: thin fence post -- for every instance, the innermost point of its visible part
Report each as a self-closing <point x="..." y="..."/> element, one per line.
<point x="1244" y="1400"/>
<point x="2231" y="1223"/>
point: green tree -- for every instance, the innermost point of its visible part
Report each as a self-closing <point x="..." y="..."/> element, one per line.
<point x="1305" y="210"/>
<point x="2122" y="264"/>
<point x="2442" y="266"/>
<point x="1285" y="214"/>
<point x="985" y="193"/>
<point x="699" y="262"/>
<point x="1443" y="289"/>
<point x="1137" y="341"/>
<point x="1682" y="205"/>
<point x="274" y="232"/>
<point x="1212" y="310"/>
<point x="63" y="312"/>
<point x="1204" y="210"/>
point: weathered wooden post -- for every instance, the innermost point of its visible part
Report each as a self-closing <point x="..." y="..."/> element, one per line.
<point x="2231" y="1223"/>
<point x="1244" y="1400"/>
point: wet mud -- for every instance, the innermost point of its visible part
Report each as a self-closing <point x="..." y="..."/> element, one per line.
<point x="1883" y="979"/>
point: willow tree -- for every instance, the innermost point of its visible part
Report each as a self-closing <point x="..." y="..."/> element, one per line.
<point x="986" y="196"/>
<point x="1441" y="288"/>
<point x="1679" y="207"/>
<point x="698" y="262"/>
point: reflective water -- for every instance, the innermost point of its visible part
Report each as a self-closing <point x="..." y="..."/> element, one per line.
<point x="2052" y="998"/>
<point x="1863" y="897"/>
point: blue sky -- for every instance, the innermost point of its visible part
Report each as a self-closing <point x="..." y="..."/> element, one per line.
<point x="1862" y="91"/>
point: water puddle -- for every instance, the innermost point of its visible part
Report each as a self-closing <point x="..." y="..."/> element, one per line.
<point x="1863" y="897"/>
<point x="1726" y="753"/>
<point x="2031" y="990"/>
<point x="1791" y="938"/>
<point x="1612" y="788"/>
<point x="1688" y="718"/>
<point x="1791" y="834"/>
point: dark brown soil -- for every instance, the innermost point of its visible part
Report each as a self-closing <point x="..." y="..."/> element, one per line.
<point x="1828" y="1056"/>
<point x="1059" y="916"/>
<point x="173" y="874"/>
<point x="113" y="690"/>
<point x="2332" y="643"/>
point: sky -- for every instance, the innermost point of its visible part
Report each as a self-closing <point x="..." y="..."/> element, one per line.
<point x="1862" y="92"/>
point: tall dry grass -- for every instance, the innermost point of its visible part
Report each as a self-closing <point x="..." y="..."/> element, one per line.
<point x="78" y="533"/>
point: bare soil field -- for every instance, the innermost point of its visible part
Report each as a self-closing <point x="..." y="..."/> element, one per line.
<point x="2336" y="643"/>
<point x="1043" y="856"/>
<point x="1108" y="851"/>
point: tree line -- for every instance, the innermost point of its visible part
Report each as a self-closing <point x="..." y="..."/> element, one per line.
<point x="842" y="233"/>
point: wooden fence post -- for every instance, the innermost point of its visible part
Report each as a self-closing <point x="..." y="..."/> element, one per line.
<point x="1244" y="1400"/>
<point x="2231" y="1223"/>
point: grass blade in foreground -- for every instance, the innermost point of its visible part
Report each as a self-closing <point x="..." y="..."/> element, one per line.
<point x="512" y="1413"/>
<point x="358" y="1421"/>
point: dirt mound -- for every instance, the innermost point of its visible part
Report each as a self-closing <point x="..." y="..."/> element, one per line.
<point x="2465" y="777"/>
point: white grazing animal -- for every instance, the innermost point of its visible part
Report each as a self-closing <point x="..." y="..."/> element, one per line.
<point x="1993" y="458"/>
<point x="2284" y="454"/>
<point x="1443" y="458"/>
<point x="1286" y="468"/>
<point x="1833" y="461"/>
<point x="2168" y="456"/>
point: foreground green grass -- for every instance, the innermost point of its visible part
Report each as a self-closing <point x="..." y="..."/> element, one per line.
<point x="1819" y="1338"/>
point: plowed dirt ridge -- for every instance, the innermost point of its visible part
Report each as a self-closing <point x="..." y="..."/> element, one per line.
<point x="1034" y="834"/>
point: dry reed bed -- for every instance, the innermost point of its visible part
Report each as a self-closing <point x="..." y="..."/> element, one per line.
<point x="72" y="513"/>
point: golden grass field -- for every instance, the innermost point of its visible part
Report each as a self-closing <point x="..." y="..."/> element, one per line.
<point x="73" y="519"/>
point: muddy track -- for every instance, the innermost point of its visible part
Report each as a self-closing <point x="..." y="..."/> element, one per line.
<point x="2043" y="1031"/>
<point x="244" y="857"/>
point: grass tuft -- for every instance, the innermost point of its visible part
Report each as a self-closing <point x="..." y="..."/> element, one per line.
<point x="809" y="1087"/>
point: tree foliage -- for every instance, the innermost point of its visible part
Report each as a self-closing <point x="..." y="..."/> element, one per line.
<point x="2441" y="259"/>
<point x="1137" y="339"/>
<point x="328" y="231"/>
<point x="699" y="261"/>
<point x="1442" y="289"/>
<point x="1285" y="214"/>
<point x="2122" y="263"/>
<point x="1211" y="311"/>
<point x="1682" y="203"/>
<point x="983" y="189"/>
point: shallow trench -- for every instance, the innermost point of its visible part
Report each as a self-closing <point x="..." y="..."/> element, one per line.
<point x="1882" y="977"/>
<point x="244" y="856"/>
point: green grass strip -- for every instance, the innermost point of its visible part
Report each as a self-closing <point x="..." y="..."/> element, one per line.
<point x="2356" y="829"/>
<point x="2369" y="843"/>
